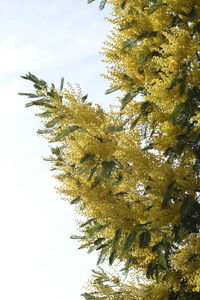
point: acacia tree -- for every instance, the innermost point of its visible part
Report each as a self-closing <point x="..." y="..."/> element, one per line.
<point x="134" y="172"/>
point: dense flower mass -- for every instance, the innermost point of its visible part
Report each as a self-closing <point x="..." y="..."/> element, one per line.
<point x="134" y="172"/>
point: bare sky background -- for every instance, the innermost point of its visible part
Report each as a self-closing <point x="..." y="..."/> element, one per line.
<point x="50" y="39"/>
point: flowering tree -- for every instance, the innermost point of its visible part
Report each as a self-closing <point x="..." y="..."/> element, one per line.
<point x="134" y="172"/>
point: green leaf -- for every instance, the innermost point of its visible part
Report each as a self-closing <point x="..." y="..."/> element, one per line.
<point x="127" y="25"/>
<point x="144" y="128"/>
<point x="30" y="77"/>
<point x="66" y="131"/>
<point x="154" y="7"/>
<point x="30" y="95"/>
<point x="175" y="80"/>
<point x="179" y="78"/>
<point x="84" y="246"/>
<point x="168" y="194"/>
<point x="96" y="228"/>
<point x="148" y="147"/>
<point x="112" y="256"/>
<point x="108" y="164"/>
<point x="143" y="57"/>
<point x="81" y="170"/>
<point x="86" y="157"/>
<point x="146" y="108"/>
<point x="191" y="14"/>
<point x="93" y="170"/>
<point x="128" y="241"/>
<point x="39" y="83"/>
<point x="76" y="200"/>
<point x="87" y="222"/>
<point x="193" y="258"/>
<point x="96" y="272"/>
<point x="76" y="237"/>
<point x="174" y="296"/>
<point x="91" y="249"/>
<point x="113" y="89"/>
<point x="121" y="194"/>
<point x="62" y="83"/>
<point x="128" y="78"/>
<point x="40" y="102"/>
<point x="135" y="122"/>
<point x="88" y="296"/>
<point x="158" y="246"/>
<point x="187" y="206"/>
<point x="153" y="271"/>
<point x="107" y="168"/>
<point x="53" y="169"/>
<point x="129" y="43"/>
<point x="128" y="98"/>
<point x="90" y="1"/>
<point x="44" y="114"/>
<point x="162" y="249"/>
<point x="175" y="114"/>
<point x="123" y="4"/>
<point x="83" y="99"/>
<point x="117" y="236"/>
<point x="144" y="239"/>
<point x="162" y="260"/>
<point x="54" y="121"/>
<point x="182" y="87"/>
<point x="55" y="151"/>
<point x="95" y="183"/>
<point x="43" y="131"/>
<point x="103" y="246"/>
<point x="102" y="255"/>
<point x="102" y="4"/>
<point x="176" y="232"/>
<point x="128" y="264"/>
<point x="98" y="241"/>
<point x="114" y="128"/>
<point x="150" y="270"/>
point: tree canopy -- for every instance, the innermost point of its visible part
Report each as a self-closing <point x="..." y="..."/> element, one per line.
<point x="133" y="172"/>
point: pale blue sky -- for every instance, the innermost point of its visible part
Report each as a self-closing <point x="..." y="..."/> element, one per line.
<point x="50" y="39"/>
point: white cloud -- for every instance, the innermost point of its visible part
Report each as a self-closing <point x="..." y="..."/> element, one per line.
<point x="14" y="58"/>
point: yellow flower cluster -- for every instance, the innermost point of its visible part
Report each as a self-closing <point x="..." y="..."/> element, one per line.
<point x="134" y="171"/>
<point x="187" y="260"/>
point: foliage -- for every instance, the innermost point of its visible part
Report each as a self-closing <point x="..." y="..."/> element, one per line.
<point x="134" y="172"/>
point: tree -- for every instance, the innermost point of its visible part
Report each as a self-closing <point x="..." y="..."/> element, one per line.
<point x="134" y="172"/>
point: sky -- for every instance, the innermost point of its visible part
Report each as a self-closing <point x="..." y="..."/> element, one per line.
<point x="50" y="39"/>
